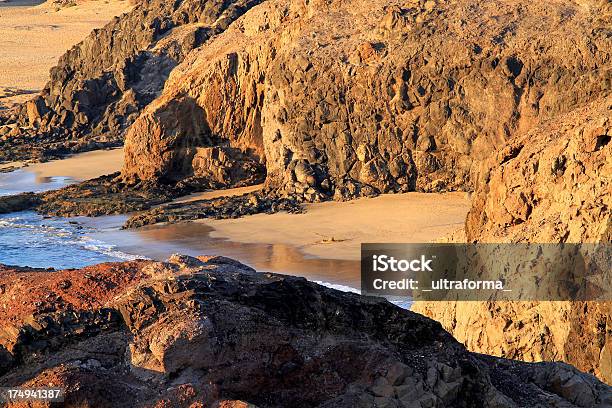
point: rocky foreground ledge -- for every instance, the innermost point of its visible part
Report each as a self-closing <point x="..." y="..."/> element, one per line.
<point x="211" y="332"/>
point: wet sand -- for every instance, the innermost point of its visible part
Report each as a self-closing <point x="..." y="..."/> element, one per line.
<point x="33" y="38"/>
<point x="160" y="241"/>
<point x="58" y="173"/>
<point x="82" y="166"/>
<point x="79" y="167"/>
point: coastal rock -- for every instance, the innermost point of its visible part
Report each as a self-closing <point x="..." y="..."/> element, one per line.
<point x="217" y="208"/>
<point x="102" y="196"/>
<point x="552" y="185"/>
<point x="391" y="97"/>
<point x="323" y="99"/>
<point x="99" y="86"/>
<point x="210" y="331"/>
<point x="19" y="202"/>
<point x="350" y="98"/>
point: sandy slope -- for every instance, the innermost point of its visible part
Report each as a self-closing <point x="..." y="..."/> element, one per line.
<point x="33" y="38"/>
<point x="83" y="166"/>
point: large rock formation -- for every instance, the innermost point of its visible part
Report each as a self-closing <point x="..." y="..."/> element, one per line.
<point x="213" y="332"/>
<point x="99" y="87"/>
<point x="352" y="98"/>
<point x="323" y="98"/>
<point x="348" y="98"/>
<point x="552" y="185"/>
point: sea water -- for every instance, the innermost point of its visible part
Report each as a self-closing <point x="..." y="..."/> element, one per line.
<point x="30" y="239"/>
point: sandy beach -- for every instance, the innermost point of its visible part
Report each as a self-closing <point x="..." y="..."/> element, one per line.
<point x="336" y="229"/>
<point x="79" y="167"/>
<point x="299" y="244"/>
<point x="82" y="166"/>
<point x="33" y="37"/>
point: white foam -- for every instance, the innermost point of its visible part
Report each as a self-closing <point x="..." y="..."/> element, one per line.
<point x="342" y="288"/>
<point x="46" y="232"/>
<point x="404" y="303"/>
<point x="107" y="249"/>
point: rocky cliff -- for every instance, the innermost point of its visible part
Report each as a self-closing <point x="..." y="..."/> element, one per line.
<point x="552" y="185"/>
<point x="336" y="98"/>
<point x="213" y="332"/>
<point x="99" y="86"/>
<point x="351" y="98"/>
<point x="340" y="99"/>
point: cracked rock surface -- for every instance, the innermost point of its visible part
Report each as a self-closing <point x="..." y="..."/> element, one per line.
<point x="213" y="332"/>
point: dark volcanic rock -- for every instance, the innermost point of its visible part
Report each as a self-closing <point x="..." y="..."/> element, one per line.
<point x="99" y="87"/>
<point x="111" y="195"/>
<point x="213" y="332"/>
<point x="102" y="196"/>
<point x="19" y="202"/>
<point x="217" y="208"/>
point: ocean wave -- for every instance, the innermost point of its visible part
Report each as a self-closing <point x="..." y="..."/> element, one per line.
<point x="107" y="249"/>
<point x="403" y="303"/>
<point x="30" y="239"/>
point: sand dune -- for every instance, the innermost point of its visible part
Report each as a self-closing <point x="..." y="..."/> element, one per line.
<point x="33" y="38"/>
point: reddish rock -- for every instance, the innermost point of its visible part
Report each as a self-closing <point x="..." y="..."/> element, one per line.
<point x="211" y="332"/>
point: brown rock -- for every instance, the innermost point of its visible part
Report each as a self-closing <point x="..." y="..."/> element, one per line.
<point x="213" y="332"/>
<point x="376" y="111"/>
<point x="530" y="194"/>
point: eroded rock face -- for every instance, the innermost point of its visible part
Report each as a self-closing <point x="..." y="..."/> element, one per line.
<point x="99" y="87"/>
<point x="213" y="332"/>
<point x="552" y="185"/>
<point x="336" y="99"/>
<point x="353" y="98"/>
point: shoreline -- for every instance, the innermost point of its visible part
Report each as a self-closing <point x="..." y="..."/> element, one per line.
<point x="21" y="3"/>
<point x="161" y="241"/>
<point x="82" y="166"/>
<point x="323" y="244"/>
<point x="294" y="243"/>
<point x="17" y="177"/>
<point x="336" y="229"/>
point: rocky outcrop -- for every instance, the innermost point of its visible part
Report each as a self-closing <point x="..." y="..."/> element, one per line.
<point x="351" y="98"/>
<point x="108" y="194"/>
<point x="213" y="332"/>
<point x="102" y="196"/>
<point x="323" y="99"/>
<point x="552" y="185"/>
<point x="259" y="202"/>
<point x="99" y="87"/>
